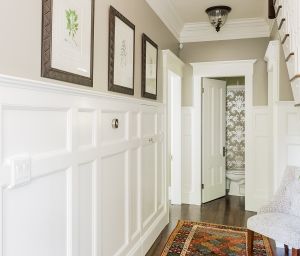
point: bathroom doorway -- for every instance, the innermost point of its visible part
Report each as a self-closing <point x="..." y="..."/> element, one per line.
<point x="215" y="69"/>
<point x="223" y="137"/>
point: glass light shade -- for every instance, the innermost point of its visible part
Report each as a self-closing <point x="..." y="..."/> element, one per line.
<point x="218" y="15"/>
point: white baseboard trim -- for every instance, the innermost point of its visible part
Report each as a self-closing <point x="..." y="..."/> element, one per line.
<point x="136" y="250"/>
<point x="154" y="231"/>
<point x="191" y="198"/>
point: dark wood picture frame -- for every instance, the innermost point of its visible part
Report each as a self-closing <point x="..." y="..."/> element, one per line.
<point x="46" y="50"/>
<point x="113" y="13"/>
<point x="145" y="40"/>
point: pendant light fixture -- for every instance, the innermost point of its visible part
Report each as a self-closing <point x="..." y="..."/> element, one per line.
<point x="218" y="15"/>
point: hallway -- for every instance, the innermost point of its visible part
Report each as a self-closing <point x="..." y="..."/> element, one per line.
<point x="228" y="210"/>
<point x="121" y="118"/>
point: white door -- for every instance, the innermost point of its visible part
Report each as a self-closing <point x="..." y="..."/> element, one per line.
<point x="174" y="101"/>
<point x="213" y="139"/>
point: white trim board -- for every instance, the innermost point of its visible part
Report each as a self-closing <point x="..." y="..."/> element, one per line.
<point x="28" y="84"/>
<point x="170" y="63"/>
<point x="221" y="69"/>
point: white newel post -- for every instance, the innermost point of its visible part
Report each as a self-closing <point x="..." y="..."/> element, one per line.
<point x="272" y="58"/>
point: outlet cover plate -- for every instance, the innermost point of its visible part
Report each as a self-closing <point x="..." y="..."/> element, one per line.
<point x="20" y="170"/>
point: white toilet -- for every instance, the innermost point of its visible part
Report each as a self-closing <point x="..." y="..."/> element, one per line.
<point x="236" y="182"/>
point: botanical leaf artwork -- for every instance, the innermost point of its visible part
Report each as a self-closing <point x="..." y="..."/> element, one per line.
<point x="235" y="128"/>
<point x="72" y="23"/>
<point x="123" y="54"/>
<point x="151" y="66"/>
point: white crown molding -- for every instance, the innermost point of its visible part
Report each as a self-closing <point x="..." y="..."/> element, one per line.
<point x="203" y="31"/>
<point x="233" y="29"/>
<point x="168" y="14"/>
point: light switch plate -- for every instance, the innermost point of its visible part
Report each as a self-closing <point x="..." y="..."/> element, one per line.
<point x="20" y="170"/>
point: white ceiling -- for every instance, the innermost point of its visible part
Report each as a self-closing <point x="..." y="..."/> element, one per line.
<point x="194" y="10"/>
<point x="188" y="22"/>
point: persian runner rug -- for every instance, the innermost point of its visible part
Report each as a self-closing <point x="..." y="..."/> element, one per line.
<point x="197" y="238"/>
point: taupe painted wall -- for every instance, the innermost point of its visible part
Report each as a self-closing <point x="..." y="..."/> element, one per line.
<point x="229" y="50"/>
<point x="20" y="44"/>
<point x="285" y="89"/>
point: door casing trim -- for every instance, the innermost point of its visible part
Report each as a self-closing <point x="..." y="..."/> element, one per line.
<point x="222" y="69"/>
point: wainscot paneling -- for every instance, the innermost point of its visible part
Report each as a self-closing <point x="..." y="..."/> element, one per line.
<point x="266" y="179"/>
<point x="288" y="138"/>
<point x="189" y="174"/>
<point x="72" y="183"/>
<point x="259" y="178"/>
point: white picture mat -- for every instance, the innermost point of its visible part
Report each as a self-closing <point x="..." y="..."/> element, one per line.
<point x="123" y="54"/>
<point x="151" y="68"/>
<point x="72" y="54"/>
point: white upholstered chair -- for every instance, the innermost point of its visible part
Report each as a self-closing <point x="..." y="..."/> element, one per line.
<point x="280" y="218"/>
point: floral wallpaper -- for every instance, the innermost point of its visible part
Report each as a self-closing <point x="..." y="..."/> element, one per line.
<point x="235" y="127"/>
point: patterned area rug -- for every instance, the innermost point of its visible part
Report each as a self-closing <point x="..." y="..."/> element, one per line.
<point x="195" y="239"/>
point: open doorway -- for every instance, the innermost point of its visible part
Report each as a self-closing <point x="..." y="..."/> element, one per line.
<point x="235" y="68"/>
<point x="173" y="73"/>
<point x="223" y="137"/>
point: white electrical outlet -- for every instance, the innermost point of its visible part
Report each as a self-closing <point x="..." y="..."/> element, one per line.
<point x="20" y="170"/>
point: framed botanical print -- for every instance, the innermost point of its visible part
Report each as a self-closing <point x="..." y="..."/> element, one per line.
<point x="149" y="68"/>
<point x="68" y="40"/>
<point x="121" y="53"/>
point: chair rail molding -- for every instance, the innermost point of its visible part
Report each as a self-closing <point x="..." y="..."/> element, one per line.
<point x="69" y="178"/>
<point x="28" y="84"/>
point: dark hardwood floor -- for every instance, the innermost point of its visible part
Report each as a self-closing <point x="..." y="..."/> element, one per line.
<point x="227" y="211"/>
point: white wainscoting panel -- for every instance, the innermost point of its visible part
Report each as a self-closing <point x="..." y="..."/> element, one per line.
<point x="190" y="175"/>
<point x="85" y="194"/>
<point x="70" y="183"/>
<point x="288" y="139"/>
<point x="35" y="217"/>
<point x="21" y="123"/>
<point x="259" y="185"/>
